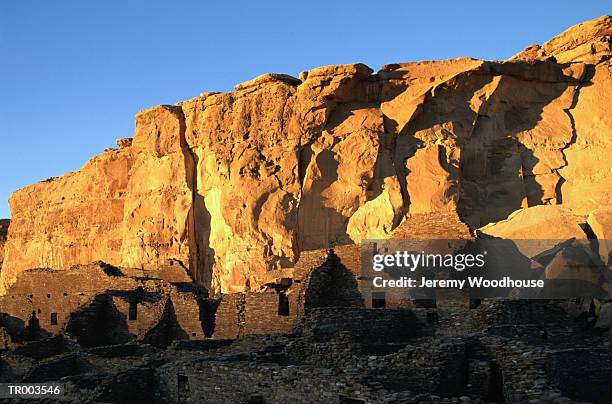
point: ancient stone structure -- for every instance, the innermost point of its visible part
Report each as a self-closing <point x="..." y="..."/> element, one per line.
<point x="101" y="305"/>
<point x="236" y="186"/>
<point x="498" y="351"/>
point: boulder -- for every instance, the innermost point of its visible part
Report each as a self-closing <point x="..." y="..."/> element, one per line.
<point x="574" y="271"/>
<point x="604" y="319"/>
<point x="536" y="229"/>
<point x="575" y="262"/>
<point x="600" y="221"/>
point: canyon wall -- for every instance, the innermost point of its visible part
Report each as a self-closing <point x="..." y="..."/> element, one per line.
<point x="234" y="186"/>
<point x="4" y="225"/>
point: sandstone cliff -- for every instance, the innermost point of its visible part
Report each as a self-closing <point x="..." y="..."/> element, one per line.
<point x="235" y="185"/>
<point x="4" y="224"/>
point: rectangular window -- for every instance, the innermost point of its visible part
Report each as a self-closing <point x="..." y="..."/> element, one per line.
<point x="53" y="318"/>
<point x="133" y="312"/>
<point x="183" y="384"/>
<point x="283" y="304"/>
<point x="378" y="300"/>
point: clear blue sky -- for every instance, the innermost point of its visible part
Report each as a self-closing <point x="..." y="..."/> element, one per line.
<point x="74" y="73"/>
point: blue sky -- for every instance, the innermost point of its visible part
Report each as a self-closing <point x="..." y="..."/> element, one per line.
<point x="74" y="73"/>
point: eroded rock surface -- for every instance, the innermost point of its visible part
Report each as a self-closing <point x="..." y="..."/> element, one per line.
<point x="600" y="221"/>
<point x="585" y="42"/>
<point x="236" y="186"/>
<point x="129" y="206"/>
<point x="4" y="225"/>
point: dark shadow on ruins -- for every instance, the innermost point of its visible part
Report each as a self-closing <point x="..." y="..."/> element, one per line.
<point x="98" y="323"/>
<point x="166" y="330"/>
<point x="332" y="285"/>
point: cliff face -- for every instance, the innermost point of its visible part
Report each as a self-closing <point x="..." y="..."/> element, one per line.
<point x="128" y="206"/>
<point x="4" y="224"/>
<point x="235" y="185"/>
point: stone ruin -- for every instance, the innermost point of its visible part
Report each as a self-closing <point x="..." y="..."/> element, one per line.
<point x="102" y="305"/>
<point x="129" y="335"/>
<point x="99" y="304"/>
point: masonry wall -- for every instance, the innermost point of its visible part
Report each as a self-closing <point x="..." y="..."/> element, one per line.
<point x="264" y="316"/>
<point x="145" y="311"/>
<point x="320" y="279"/>
<point x="256" y="313"/>
<point x="188" y="314"/>
<point x="229" y="316"/>
<point x="41" y="293"/>
<point x="84" y="296"/>
<point x="134" y="303"/>
<point x="238" y="383"/>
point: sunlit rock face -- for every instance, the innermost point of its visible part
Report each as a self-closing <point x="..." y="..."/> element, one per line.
<point x="76" y="218"/>
<point x="246" y="188"/>
<point x="157" y="222"/>
<point x="129" y="206"/>
<point x="234" y="186"/>
<point x="588" y="42"/>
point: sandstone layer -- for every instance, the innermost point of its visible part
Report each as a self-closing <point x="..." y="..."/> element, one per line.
<point x="235" y="186"/>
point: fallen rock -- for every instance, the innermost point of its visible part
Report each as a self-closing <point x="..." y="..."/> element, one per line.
<point x="575" y="270"/>
<point x="600" y="221"/>
<point x="604" y="319"/>
<point x="575" y="262"/>
<point x="540" y="227"/>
